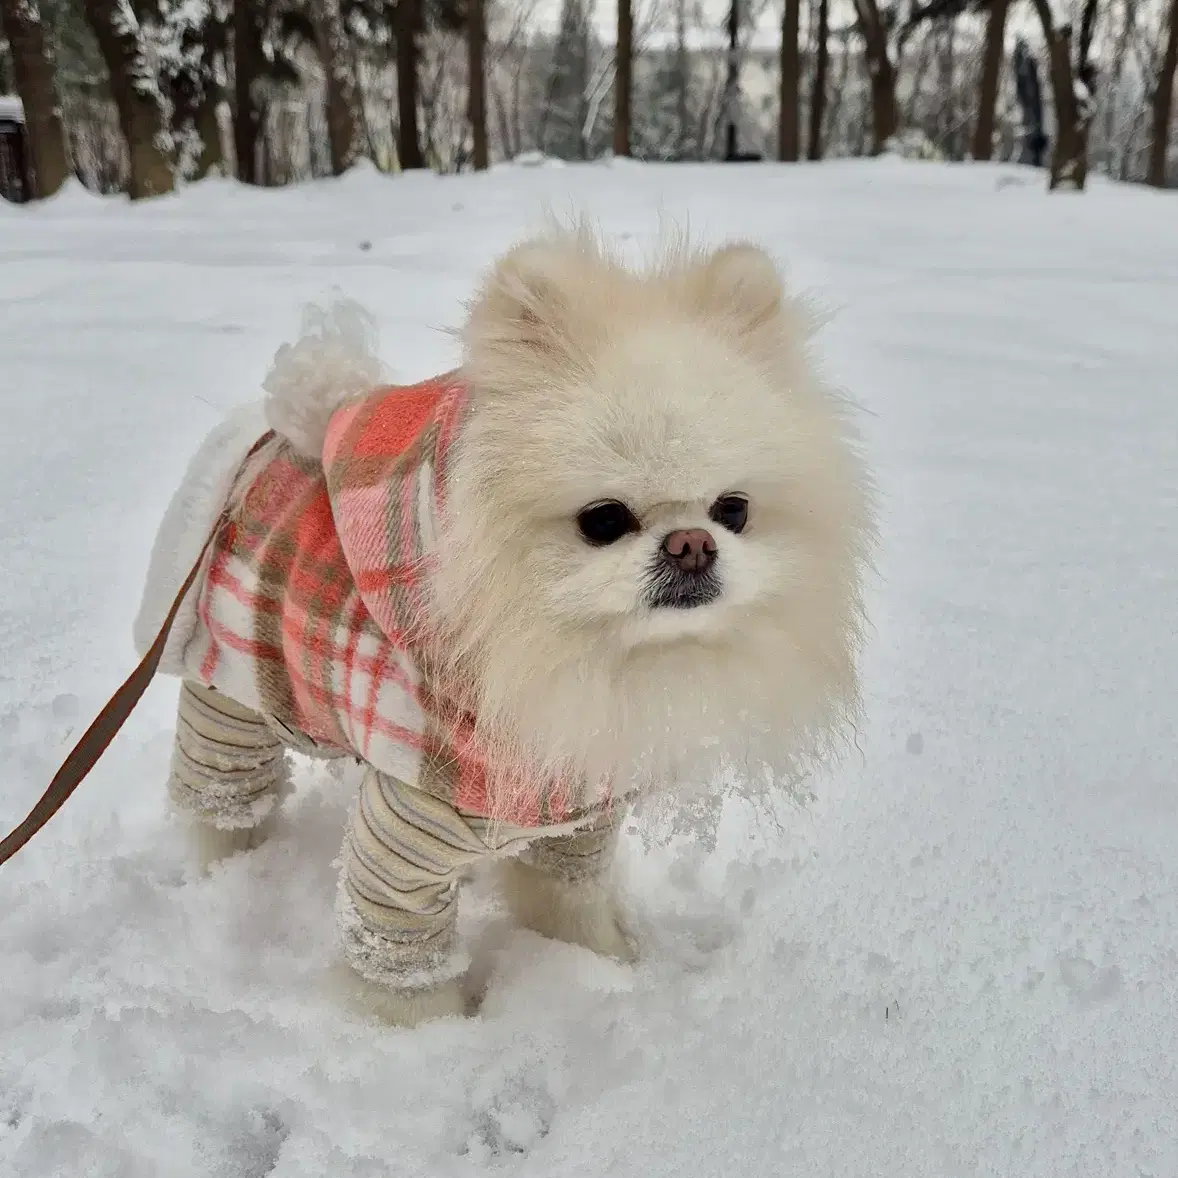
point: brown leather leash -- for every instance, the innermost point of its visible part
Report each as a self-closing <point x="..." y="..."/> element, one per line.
<point x="95" y="740"/>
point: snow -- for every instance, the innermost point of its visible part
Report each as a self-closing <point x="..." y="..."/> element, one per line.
<point x="12" y="110"/>
<point x="961" y="958"/>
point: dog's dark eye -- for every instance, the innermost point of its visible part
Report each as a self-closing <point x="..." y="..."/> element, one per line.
<point x="731" y="512"/>
<point x="606" y="523"/>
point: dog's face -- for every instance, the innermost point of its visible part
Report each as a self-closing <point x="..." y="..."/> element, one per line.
<point x="657" y="500"/>
<point x="654" y="524"/>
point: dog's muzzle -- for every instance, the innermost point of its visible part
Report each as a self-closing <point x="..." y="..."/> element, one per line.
<point x="683" y="575"/>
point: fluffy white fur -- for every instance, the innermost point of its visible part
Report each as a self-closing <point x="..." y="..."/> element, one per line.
<point x="187" y="522"/>
<point x="334" y="359"/>
<point x="664" y="390"/>
<point x="584" y="912"/>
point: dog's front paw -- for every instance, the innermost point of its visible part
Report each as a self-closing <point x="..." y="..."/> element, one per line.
<point x="582" y="913"/>
<point x="211" y="844"/>
<point x="409" y="1008"/>
<point x="401" y="1006"/>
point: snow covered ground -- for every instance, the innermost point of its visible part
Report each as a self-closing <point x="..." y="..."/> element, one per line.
<point x="962" y="959"/>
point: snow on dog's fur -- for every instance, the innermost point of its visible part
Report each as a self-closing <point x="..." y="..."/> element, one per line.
<point x="663" y="391"/>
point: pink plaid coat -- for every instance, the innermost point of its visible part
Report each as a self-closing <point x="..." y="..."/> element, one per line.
<point x="309" y="604"/>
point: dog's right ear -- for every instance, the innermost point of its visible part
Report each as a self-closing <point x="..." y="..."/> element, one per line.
<point x="524" y="311"/>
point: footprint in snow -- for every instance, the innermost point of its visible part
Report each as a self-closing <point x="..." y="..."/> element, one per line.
<point x="11" y="1112"/>
<point x="254" y="1145"/>
<point x="41" y="726"/>
<point x="508" y="1118"/>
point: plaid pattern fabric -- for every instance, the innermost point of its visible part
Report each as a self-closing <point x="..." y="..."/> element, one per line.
<point x="312" y="596"/>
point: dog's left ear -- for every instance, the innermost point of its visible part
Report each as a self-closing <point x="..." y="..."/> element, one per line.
<point x="740" y="284"/>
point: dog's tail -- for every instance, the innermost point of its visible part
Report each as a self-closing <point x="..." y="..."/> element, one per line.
<point x="334" y="359"/>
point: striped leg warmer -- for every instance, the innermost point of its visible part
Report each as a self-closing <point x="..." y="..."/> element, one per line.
<point x="585" y="854"/>
<point x="228" y="766"/>
<point x="404" y="856"/>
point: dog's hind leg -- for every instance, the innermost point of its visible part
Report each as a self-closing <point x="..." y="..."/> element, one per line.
<point x="228" y="772"/>
<point x="561" y="887"/>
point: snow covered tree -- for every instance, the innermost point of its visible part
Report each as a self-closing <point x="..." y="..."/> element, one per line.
<point x="134" y="85"/>
<point x="33" y="73"/>
<point x="200" y="92"/>
<point x="932" y="111"/>
<point x="160" y="57"/>
<point x="344" y="130"/>
<point x="563" y="118"/>
<point x="285" y="48"/>
<point x="184" y="41"/>
<point x="407" y="29"/>
<point x="667" y="102"/>
<point x="1073" y="86"/>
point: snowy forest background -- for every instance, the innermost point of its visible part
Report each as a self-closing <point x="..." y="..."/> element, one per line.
<point x="140" y="95"/>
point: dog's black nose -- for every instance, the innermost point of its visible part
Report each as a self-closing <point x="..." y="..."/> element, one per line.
<point x="690" y="550"/>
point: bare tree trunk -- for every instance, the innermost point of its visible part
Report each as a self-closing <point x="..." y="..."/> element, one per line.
<point x="623" y="80"/>
<point x="818" y="92"/>
<point x="732" y="79"/>
<point x="247" y="67"/>
<point x="1069" y="154"/>
<point x="344" y="132"/>
<point x="408" y="15"/>
<point x="788" y="134"/>
<point x="1162" y="101"/>
<point x="32" y="67"/>
<point x="517" y="104"/>
<point x="476" y="33"/>
<point x="947" y="115"/>
<point x="885" y="113"/>
<point x="682" y="78"/>
<point x="885" y="120"/>
<point x="1069" y="150"/>
<point x="983" y="132"/>
<point x="140" y="116"/>
<point x="212" y="155"/>
<point x="503" y="123"/>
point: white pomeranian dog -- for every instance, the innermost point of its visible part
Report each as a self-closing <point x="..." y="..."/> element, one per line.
<point x="621" y="547"/>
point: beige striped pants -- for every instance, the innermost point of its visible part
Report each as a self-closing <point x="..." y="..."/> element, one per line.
<point x="405" y="852"/>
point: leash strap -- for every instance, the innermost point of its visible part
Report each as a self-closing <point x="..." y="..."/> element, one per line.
<point x="95" y="740"/>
